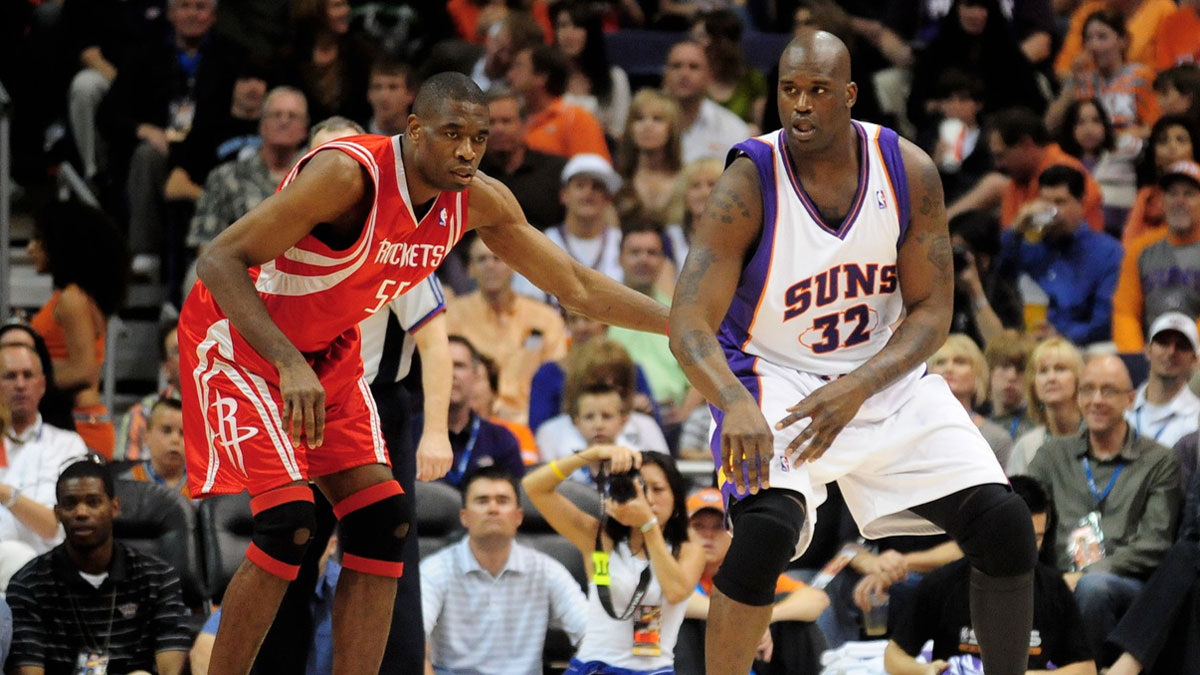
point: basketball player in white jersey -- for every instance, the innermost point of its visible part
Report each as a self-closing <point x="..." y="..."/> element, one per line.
<point x="816" y="240"/>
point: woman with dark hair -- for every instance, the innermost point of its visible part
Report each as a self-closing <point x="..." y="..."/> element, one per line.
<point x="87" y="262"/>
<point x="978" y="40"/>
<point x="735" y="85"/>
<point x="332" y="62"/>
<point x="642" y="544"/>
<point x="1087" y="135"/>
<point x="1173" y="138"/>
<point x="594" y="82"/>
<point x="55" y="407"/>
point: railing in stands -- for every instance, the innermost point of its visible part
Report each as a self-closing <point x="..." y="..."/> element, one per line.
<point x="6" y="187"/>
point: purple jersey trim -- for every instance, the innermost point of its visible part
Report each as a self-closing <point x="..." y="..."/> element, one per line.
<point x="743" y="367"/>
<point x="889" y="151"/>
<point x="739" y="319"/>
<point x="864" y="173"/>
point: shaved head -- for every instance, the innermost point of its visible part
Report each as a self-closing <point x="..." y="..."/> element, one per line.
<point x="449" y="87"/>
<point x="817" y="52"/>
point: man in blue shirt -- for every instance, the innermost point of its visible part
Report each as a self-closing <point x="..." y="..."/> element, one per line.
<point x="1076" y="266"/>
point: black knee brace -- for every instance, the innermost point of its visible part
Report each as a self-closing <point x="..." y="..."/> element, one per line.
<point x="766" y="527"/>
<point x="284" y="521"/>
<point x="372" y="525"/>
<point x="995" y="532"/>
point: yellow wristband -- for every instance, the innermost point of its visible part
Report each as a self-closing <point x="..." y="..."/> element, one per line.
<point x="555" y="469"/>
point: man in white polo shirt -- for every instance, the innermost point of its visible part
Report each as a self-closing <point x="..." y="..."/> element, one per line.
<point x="709" y="130"/>
<point x="487" y="600"/>
<point x="1165" y="409"/>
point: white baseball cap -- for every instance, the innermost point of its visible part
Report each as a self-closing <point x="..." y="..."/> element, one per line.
<point x="1177" y="321"/>
<point x="591" y="164"/>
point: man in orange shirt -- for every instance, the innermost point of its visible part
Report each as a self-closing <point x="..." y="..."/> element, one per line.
<point x="540" y="74"/>
<point x="1022" y="150"/>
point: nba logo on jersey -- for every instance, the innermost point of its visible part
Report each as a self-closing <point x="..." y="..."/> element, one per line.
<point x="880" y="199"/>
<point x="783" y="464"/>
<point x="442" y="218"/>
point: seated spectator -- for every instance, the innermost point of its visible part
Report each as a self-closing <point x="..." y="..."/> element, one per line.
<point x="597" y="409"/>
<point x="1158" y="633"/>
<point x="986" y="302"/>
<point x="594" y="83"/>
<point x="1111" y="533"/>
<point x="546" y="395"/>
<point x="505" y="38"/>
<point x="1007" y="357"/>
<point x="233" y="188"/>
<point x="511" y="161"/>
<point x="131" y="431"/>
<point x="93" y="604"/>
<point x="940" y="612"/>
<point x="390" y="91"/>
<point x="956" y="141"/>
<point x="693" y="187"/>
<point x="164" y="443"/>
<point x="56" y="404"/>
<point x="642" y="262"/>
<point x="483" y="401"/>
<point x="792" y="642"/>
<point x="1143" y="23"/>
<point x="475" y="441"/>
<point x="1172" y="139"/>
<point x="35" y="453"/>
<point x="1021" y="150"/>
<point x="1178" y="88"/>
<point x="1075" y="266"/>
<point x="649" y="158"/>
<point x="1157" y="273"/>
<point x="962" y="366"/>
<point x="86" y="259"/>
<point x="1165" y="409"/>
<point x="320" y="652"/>
<point x="330" y="61"/>
<point x="1087" y="135"/>
<point x="488" y="600"/>
<point x="709" y="130"/>
<point x="1051" y="384"/>
<point x="539" y="75"/>
<point x="518" y="333"/>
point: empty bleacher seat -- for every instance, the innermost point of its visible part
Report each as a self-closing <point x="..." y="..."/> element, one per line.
<point x="226" y="527"/>
<point x="437" y="506"/>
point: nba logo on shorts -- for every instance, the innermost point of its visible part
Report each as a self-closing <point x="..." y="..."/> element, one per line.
<point x="879" y="199"/>
<point x="783" y="464"/>
<point x="442" y="217"/>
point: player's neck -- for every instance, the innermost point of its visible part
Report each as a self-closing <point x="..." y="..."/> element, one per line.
<point x="584" y="228"/>
<point x="1062" y="419"/>
<point x="1161" y="389"/>
<point x="1104" y="445"/>
<point x="840" y="157"/>
<point x="491" y="552"/>
<point x="458" y="416"/>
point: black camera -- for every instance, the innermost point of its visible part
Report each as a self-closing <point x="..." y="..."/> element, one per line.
<point x="620" y="488"/>
<point x="960" y="258"/>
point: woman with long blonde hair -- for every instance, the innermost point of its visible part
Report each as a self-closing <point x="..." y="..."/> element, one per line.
<point x="1051" y="384"/>
<point x="650" y="157"/>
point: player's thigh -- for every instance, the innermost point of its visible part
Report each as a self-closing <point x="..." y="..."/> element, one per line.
<point x="353" y="456"/>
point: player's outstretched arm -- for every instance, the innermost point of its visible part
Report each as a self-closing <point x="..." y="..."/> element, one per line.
<point x="331" y="189"/>
<point x="498" y="218"/>
<point x="729" y="226"/>
<point x="926" y="270"/>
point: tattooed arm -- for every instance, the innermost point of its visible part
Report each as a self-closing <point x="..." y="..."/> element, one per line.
<point x="926" y="271"/>
<point x="730" y="225"/>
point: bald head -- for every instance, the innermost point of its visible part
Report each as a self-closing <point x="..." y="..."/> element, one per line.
<point x="817" y="53"/>
<point x="1110" y="369"/>
<point x="1105" y="393"/>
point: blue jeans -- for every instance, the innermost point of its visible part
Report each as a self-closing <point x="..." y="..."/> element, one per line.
<point x="1103" y="599"/>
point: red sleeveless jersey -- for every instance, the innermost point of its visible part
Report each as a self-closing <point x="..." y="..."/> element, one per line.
<point x="315" y="294"/>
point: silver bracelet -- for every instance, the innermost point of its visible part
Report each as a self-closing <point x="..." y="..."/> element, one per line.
<point x="649" y="525"/>
<point x="13" y="497"/>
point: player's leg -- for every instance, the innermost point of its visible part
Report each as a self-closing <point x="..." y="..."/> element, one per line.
<point x="766" y="528"/>
<point x="373" y="520"/>
<point x="283" y="524"/>
<point x="993" y="527"/>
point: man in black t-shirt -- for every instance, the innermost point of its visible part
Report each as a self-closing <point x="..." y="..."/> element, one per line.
<point x="940" y="612"/>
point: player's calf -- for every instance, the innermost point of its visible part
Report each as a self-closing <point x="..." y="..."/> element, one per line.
<point x="372" y="525"/>
<point x="766" y="527"/>
<point x="284" y="520"/>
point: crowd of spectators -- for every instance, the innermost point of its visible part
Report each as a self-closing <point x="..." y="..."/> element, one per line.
<point x="1067" y="134"/>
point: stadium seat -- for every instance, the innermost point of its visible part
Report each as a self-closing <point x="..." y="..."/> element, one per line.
<point x="159" y="521"/>
<point x="226" y="526"/>
<point x="437" y="506"/>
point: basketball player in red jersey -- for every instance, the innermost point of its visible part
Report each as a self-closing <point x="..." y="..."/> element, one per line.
<point x="269" y="350"/>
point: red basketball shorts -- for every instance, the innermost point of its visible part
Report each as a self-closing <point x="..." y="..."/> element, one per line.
<point x="233" y="424"/>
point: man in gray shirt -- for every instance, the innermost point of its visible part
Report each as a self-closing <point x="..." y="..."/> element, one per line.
<point x="1117" y="495"/>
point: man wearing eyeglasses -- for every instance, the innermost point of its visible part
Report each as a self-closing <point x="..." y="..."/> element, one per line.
<point x="1117" y="494"/>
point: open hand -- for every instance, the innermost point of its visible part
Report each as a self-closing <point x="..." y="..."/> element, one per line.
<point x="747" y="447"/>
<point x="434" y="456"/>
<point x="303" y="403"/>
<point x="829" y="409"/>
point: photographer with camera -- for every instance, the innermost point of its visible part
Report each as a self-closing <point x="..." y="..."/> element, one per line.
<point x="641" y="564"/>
<point x="1076" y="266"/>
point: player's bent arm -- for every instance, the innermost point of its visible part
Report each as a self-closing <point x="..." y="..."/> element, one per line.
<point x="729" y="226"/>
<point x="897" y="662"/>
<point x="498" y="218"/>
<point x="569" y="520"/>
<point x="330" y="189"/>
<point x="925" y="267"/>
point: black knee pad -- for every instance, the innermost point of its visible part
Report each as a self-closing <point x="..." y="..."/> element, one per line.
<point x="766" y="527"/>
<point x="284" y="521"/>
<point x="995" y="532"/>
<point x="372" y="525"/>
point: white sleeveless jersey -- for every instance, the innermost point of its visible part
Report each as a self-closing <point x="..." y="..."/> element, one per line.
<point x="815" y="296"/>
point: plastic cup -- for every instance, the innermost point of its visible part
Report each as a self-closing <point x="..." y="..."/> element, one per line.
<point x="876" y="617"/>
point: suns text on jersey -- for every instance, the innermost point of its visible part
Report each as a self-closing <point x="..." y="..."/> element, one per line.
<point x="404" y="254"/>
<point x="847" y="281"/>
